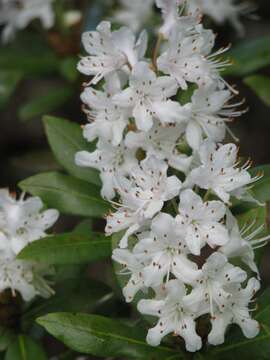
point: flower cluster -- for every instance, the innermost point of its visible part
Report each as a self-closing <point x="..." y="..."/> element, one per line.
<point x="164" y="168"/>
<point x="22" y="222"/>
<point x="136" y="13"/>
<point x="17" y="14"/>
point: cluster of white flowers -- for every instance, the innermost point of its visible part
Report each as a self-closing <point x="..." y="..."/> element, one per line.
<point x="136" y="13"/>
<point x="17" y="14"/>
<point x="22" y="222"/>
<point x="177" y="236"/>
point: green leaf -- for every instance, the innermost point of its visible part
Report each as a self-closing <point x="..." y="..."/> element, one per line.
<point x="65" y="139"/>
<point x="24" y="348"/>
<point x="100" y="336"/>
<point x="261" y="86"/>
<point x="69" y="248"/>
<point x="67" y="194"/>
<point x="6" y="337"/>
<point x="68" y="69"/>
<point x="249" y="56"/>
<point x="29" y="54"/>
<point x="8" y="83"/>
<point x="237" y="346"/>
<point x="261" y="188"/>
<point x="82" y="294"/>
<point x="43" y="104"/>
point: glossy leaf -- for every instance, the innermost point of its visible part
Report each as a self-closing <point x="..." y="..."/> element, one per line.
<point x="261" y="86"/>
<point x="69" y="248"/>
<point x="67" y="194"/>
<point x="24" y="348"/>
<point x="249" y="56"/>
<point x="65" y="139"/>
<point x="42" y="104"/>
<point x="104" y="337"/>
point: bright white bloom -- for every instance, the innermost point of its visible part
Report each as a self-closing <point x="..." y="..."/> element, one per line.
<point x="188" y="59"/>
<point x="207" y="115"/>
<point x="110" y="51"/>
<point x="107" y="121"/>
<point x="161" y="142"/>
<point x="23" y="221"/>
<point x="147" y="98"/>
<point x="199" y="222"/>
<point x="109" y="160"/>
<point x="243" y="242"/>
<point x="219" y="172"/>
<point x="134" y="14"/>
<point x="173" y="13"/>
<point x="166" y="251"/>
<point x="236" y="312"/>
<point x="17" y="14"/>
<point x="132" y="267"/>
<point x="224" y="10"/>
<point x="142" y="196"/>
<point x="24" y="277"/>
<point x="175" y="316"/>
<point x="214" y="285"/>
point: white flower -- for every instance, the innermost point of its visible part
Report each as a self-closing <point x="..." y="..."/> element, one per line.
<point x="208" y="114"/>
<point x="225" y="10"/>
<point x="110" y="51"/>
<point x="219" y="172"/>
<point x="24" y="277"/>
<point x="199" y="222"/>
<point x="188" y="59"/>
<point x="243" y="242"/>
<point x="214" y="285"/>
<point x="236" y="312"/>
<point x="165" y="249"/>
<point x="142" y="196"/>
<point x="147" y="97"/>
<point x="174" y="315"/>
<point x="174" y="19"/>
<point x="134" y="14"/>
<point x="161" y="142"/>
<point x="109" y="160"/>
<point x="17" y="14"/>
<point x="107" y="121"/>
<point x="132" y="267"/>
<point x="22" y="221"/>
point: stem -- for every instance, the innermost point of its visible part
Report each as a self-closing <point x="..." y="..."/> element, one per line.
<point x="207" y="194"/>
<point x="156" y="51"/>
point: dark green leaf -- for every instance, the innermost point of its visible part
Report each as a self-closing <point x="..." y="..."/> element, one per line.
<point x="67" y="194"/>
<point x="68" y="68"/>
<point x="100" y="336"/>
<point x="43" y="104"/>
<point x="69" y="248"/>
<point x="6" y="337"/>
<point x="249" y="56"/>
<point x="29" y="54"/>
<point x="261" y="86"/>
<point x="24" y="348"/>
<point x="65" y="139"/>
<point x="82" y="294"/>
<point x="8" y="83"/>
<point x="261" y="188"/>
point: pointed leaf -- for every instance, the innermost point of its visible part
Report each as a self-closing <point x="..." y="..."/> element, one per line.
<point x="261" y="86"/>
<point x="65" y="139"/>
<point x="8" y="83"/>
<point x="100" y="336"/>
<point x="67" y="194"/>
<point x="69" y="248"/>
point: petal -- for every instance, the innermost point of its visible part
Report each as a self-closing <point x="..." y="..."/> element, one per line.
<point x="188" y="333"/>
<point x="173" y="187"/>
<point x="168" y="111"/>
<point x="156" y="334"/>
<point x="153" y="208"/>
<point x="185" y="270"/>
<point x="219" y="323"/>
<point x="143" y="117"/>
<point x="125" y="98"/>
<point x="194" y="135"/>
<point x="150" y="307"/>
<point x="162" y="224"/>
